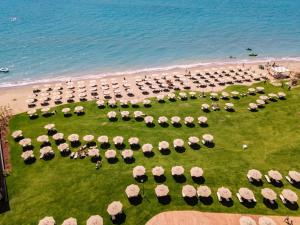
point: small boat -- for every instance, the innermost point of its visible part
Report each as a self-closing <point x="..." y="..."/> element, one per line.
<point x="249" y="49"/>
<point x="252" y="54"/>
<point x="4" y="70"/>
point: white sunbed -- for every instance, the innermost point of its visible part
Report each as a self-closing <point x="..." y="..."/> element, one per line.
<point x="239" y="197"/>
<point x="249" y="178"/>
<point x="282" y="199"/>
<point x="289" y="179"/>
<point x="219" y="197"/>
<point x="267" y="178"/>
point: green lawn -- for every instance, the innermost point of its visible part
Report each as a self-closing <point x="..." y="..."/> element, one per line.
<point x="63" y="187"/>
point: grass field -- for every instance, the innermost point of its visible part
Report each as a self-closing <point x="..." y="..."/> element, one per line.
<point x="63" y="187"/>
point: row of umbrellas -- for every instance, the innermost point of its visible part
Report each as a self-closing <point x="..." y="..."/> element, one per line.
<point x="93" y="220"/>
<point x="275" y="175"/>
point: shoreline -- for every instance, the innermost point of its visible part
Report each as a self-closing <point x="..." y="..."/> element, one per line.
<point x="150" y="70"/>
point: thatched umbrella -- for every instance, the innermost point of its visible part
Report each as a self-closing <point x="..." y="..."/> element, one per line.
<point x="158" y="171"/>
<point x="294" y="175"/>
<point x="252" y="106"/>
<point x="196" y="171"/>
<point x="103" y="139"/>
<point x="111" y="115"/>
<point x="125" y="114"/>
<point x="31" y="112"/>
<point x="110" y="154"/>
<point x="171" y="96"/>
<point x="224" y="192"/>
<point x="229" y="105"/>
<point x="193" y="140"/>
<point x="133" y="141"/>
<point x="78" y="109"/>
<point x="115" y="208"/>
<point x="225" y="94"/>
<point x="138" y="114"/>
<point x="25" y="142"/>
<point x="260" y="102"/>
<point x="289" y="195"/>
<point x="88" y="138"/>
<point x="263" y="97"/>
<point x="251" y="90"/>
<point x="160" y="98"/>
<point x="58" y="136"/>
<point x="100" y="103"/>
<point x="162" y="119"/>
<point x="118" y="140"/>
<point x="175" y="119"/>
<point x="138" y="171"/>
<point x="207" y="138"/>
<point x="281" y="95"/>
<point x="94" y="152"/>
<point x="268" y="194"/>
<point x="127" y="153"/>
<point x="177" y="170"/>
<point x="47" y="221"/>
<point x="182" y="95"/>
<point x="27" y="155"/>
<point x="17" y="134"/>
<point x="202" y="119"/>
<point x="146" y="102"/>
<point x="178" y="143"/>
<point x="95" y="220"/>
<point x="50" y="126"/>
<point x="213" y="95"/>
<point x="43" y="139"/>
<point x="132" y="190"/>
<point x="205" y="106"/>
<point x="161" y="190"/>
<point x="260" y="89"/>
<point x="254" y="174"/>
<point x="246" y="193"/>
<point x="246" y="220"/>
<point x="148" y="119"/>
<point x="203" y="191"/>
<point x="235" y="93"/>
<point x="272" y="96"/>
<point x="275" y="175"/>
<point x="188" y="120"/>
<point x="188" y="191"/>
<point x="63" y="147"/>
<point x="163" y="145"/>
<point x="264" y="220"/>
<point x="73" y="137"/>
<point x="147" y="148"/>
<point x="46" y="151"/>
<point x="70" y="221"/>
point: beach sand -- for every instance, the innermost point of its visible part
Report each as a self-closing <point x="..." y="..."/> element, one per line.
<point x="15" y="97"/>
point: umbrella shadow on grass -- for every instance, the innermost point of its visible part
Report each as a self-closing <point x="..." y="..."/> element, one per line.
<point x="120" y="218"/>
<point x="180" y="149"/>
<point x="198" y="180"/>
<point x="270" y="205"/>
<point x="113" y="160"/>
<point x="179" y="178"/>
<point x="195" y="146"/>
<point x="227" y="203"/>
<point x="164" y="200"/>
<point x="135" y="200"/>
<point x="129" y="160"/>
<point x="149" y="154"/>
<point x="191" y="200"/>
<point x="206" y="200"/>
<point x="292" y="206"/>
<point x="160" y="179"/>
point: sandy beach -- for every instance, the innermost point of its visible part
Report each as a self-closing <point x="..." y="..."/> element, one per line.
<point x="15" y="97"/>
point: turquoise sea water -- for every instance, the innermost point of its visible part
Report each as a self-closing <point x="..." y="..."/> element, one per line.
<point x="46" y="39"/>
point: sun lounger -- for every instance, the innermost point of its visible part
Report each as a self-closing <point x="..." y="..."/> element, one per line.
<point x="254" y="199"/>
<point x="282" y="199"/>
<point x="249" y="178"/>
<point x="219" y="197"/>
<point x="289" y="179"/>
<point x="76" y="155"/>
<point x="267" y="178"/>
<point x="72" y="155"/>
<point x="239" y="197"/>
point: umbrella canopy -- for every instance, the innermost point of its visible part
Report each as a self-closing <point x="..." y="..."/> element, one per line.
<point x="95" y="220"/>
<point x="263" y="97"/>
<point x="289" y="195"/>
<point x="66" y="110"/>
<point x="177" y="170"/>
<point x="110" y="154"/>
<point x="138" y="114"/>
<point x="281" y="94"/>
<point x="125" y="113"/>
<point x="63" y="147"/>
<point x="161" y="190"/>
<point x="58" y="136"/>
<point x="224" y="192"/>
<point x="158" y="171"/>
<point x="118" y="140"/>
<point x="103" y="139"/>
<point x="163" y="145"/>
<point x="25" y="142"/>
<point x="88" y="138"/>
<point x="47" y="221"/>
<point x="111" y="114"/>
<point x="147" y="148"/>
<point x="114" y="208"/>
<point x="94" y="152"/>
<point x="207" y="138"/>
<point x="202" y="119"/>
<point x="196" y="171"/>
<point x="205" y="106"/>
<point x="193" y="140"/>
<point x="275" y="175"/>
<point x="269" y="194"/>
<point x="178" y="143"/>
<point x="138" y="171"/>
<point x="162" y="119"/>
<point x="229" y="105"/>
<point x="264" y="220"/>
<point x="133" y="141"/>
<point x="70" y="221"/>
<point x="78" y="109"/>
<point x="254" y="174"/>
<point x="46" y="151"/>
<point x="203" y="191"/>
<point x="148" y="119"/>
<point x="127" y="153"/>
<point x="252" y="106"/>
<point x="146" y="102"/>
<point x="73" y="137"/>
<point x="188" y="191"/>
<point x="246" y="193"/>
<point x="246" y="220"/>
<point x="188" y="119"/>
<point x="171" y="96"/>
<point x="27" y="155"/>
<point x="294" y="175"/>
<point x="175" y="119"/>
<point x="43" y="138"/>
<point x="17" y="133"/>
<point x="132" y="190"/>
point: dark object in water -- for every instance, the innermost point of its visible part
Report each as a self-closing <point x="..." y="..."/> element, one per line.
<point x="249" y="49"/>
<point x="253" y="54"/>
<point x="232" y="57"/>
<point x="4" y="70"/>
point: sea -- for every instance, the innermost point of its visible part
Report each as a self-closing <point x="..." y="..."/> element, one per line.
<point x="57" y="39"/>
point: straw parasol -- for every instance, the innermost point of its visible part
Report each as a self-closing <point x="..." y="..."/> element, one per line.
<point x="66" y="110"/>
<point x="27" y="155"/>
<point x="294" y="175"/>
<point x="115" y="208"/>
<point x="177" y="170"/>
<point x="45" y="151"/>
<point x="188" y="120"/>
<point x="268" y="194"/>
<point x="193" y="140"/>
<point x="246" y="220"/>
<point x="95" y="220"/>
<point x="127" y="153"/>
<point x="178" y="143"/>
<point x="132" y="190"/>
<point x="263" y="97"/>
<point x="118" y="140"/>
<point x="88" y="138"/>
<point x="213" y="95"/>
<point x="264" y="220"/>
<point x="235" y="93"/>
<point x="275" y="175"/>
<point x="146" y="102"/>
<point x="207" y="138"/>
<point x="147" y="148"/>
<point x="289" y="195"/>
<point x="58" y="136"/>
<point x="148" y="119"/>
<point x="171" y="96"/>
<point x="205" y="106"/>
<point x="203" y="191"/>
<point x="47" y="221"/>
<point x="175" y="119"/>
<point x="196" y="171"/>
<point x="202" y="119"/>
<point x="281" y="95"/>
<point x="138" y="114"/>
<point x="78" y="109"/>
<point x="163" y="145"/>
<point x="103" y="139"/>
<point x="50" y="126"/>
<point x="43" y="138"/>
<point x="229" y="105"/>
<point x="133" y="141"/>
<point x="158" y="171"/>
<point x="246" y="193"/>
<point x="224" y="94"/>
<point x="251" y="90"/>
<point x="110" y="154"/>
<point x="94" y="152"/>
<point x="252" y="106"/>
<point x="188" y="191"/>
<point x="162" y="119"/>
<point x="260" y="102"/>
<point x="254" y="174"/>
<point x="25" y="142"/>
<point x="17" y="134"/>
<point x="70" y="221"/>
<point x="111" y="114"/>
<point x="138" y="171"/>
<point x="100" y="103"/>
<point x="73" y="137"/>
<point x="31" y="112"/>
<point x="125" y="114"/>
<point x="161" y="190"/>
<point x="63" y="147"/>
<point x="224" y="192"/>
